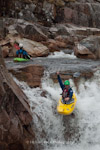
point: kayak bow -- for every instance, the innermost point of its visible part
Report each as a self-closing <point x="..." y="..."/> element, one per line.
<point x="66" y="109"/>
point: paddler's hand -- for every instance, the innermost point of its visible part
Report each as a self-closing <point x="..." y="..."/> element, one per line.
<point x="31" y="58"/>
<point x="66" y="99"/>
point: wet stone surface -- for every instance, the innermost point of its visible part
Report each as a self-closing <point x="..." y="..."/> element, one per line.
<point x="74" y="69"/>
<point x="52" y="65"/>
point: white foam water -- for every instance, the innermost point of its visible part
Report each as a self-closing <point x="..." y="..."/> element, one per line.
<point x="49" y="122"/>
<point x="61" y="54"/>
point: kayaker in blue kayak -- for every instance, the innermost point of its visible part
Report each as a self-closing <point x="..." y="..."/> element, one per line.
<point x="67" y="90"/>
<point x="21" y="53"/>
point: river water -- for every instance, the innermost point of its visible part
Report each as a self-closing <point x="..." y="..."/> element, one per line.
<point x="54" y="131"/>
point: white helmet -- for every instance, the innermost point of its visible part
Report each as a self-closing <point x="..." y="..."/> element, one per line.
<point x="20" y="45"/>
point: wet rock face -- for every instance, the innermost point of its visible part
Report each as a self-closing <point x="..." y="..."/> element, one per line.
<point x="31" y="74"/>
<point x="15" y="114"/>
<point x="88" y="48"/>
<point x="93" y="44"/>
<point x="1" y="29"/>
<point x="55" y="38"/>
<point x="47" y="12"/>
<point x="76" y="76"/>
<point x="33" y="48"/>
<point x="32" y="32"/>
<point x="85" y="14"/>
<point x="5" y="50"/>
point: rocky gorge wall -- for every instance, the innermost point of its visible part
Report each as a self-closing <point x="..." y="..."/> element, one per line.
<point x="51" y="25"/>
<point x="47" y="12"/>
<point x="43" y="27"/>
<point x="40" y="41"/>
<point x="15" y="114"/>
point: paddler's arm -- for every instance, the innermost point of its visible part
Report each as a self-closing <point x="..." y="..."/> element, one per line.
<point x="28" y="56"/>
<point x="60" y="81"/>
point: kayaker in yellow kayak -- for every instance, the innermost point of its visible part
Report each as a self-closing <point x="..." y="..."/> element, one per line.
<point x="67" y="90"/>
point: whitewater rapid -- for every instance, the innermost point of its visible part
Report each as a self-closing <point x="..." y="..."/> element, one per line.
<point x="61" y="54"/>
<point x="52" y="126"/>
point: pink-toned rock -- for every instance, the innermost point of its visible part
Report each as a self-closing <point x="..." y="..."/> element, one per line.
<point x="67" y="40"/>
<point x="31" y="31"/>
<point x="83" y="52"/>
<point x="61" y="44"/>
<point x="31" y="74"/>
<point x="14" y="122"/>
<point x="88" y="47"/>
<point x="33" y="48"/>
<point x="55" y="45"/>
<point x="4" y="42"/>
<point x="68" y="12"/>
<point x="5" y="51"/>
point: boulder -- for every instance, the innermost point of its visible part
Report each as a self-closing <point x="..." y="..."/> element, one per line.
<point x="31" y="74"/>
<point x="30" y="31"/>
<point x="68" y="12"/>
<point x="88" y="48"/>
<point x="55" y="45"/>
<point x="5" y="51"/>
<point x="67" y="40"/>
<point x="60" y="36"/>
<point x="83" y="52"/>
<point x="62" y="29"/>
<point x="33" y="48"/>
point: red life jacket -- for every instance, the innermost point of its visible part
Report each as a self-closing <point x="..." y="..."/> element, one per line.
<point x="65" y="93"/>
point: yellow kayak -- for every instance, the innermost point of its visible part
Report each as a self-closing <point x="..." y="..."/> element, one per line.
<point x="66" y="109"/>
